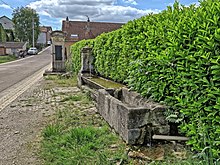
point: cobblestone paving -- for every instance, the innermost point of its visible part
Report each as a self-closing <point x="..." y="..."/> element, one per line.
<point x="22" y="121"/>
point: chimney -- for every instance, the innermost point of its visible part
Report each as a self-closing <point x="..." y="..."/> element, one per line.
<point x="88" y="30"/>
<point x="66" y="24"/>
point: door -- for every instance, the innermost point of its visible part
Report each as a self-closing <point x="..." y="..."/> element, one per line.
<point x="58" y="52"/>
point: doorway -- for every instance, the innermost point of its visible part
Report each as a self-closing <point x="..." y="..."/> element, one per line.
<point x="58" y="52"/>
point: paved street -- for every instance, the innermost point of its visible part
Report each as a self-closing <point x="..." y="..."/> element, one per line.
<point x="14" y="72"/>
<point x="23" y="114"/>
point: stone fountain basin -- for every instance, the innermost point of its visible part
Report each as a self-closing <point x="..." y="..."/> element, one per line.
<point x="133" y="117"/>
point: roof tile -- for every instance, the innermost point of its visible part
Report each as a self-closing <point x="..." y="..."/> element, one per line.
<point x="86" y="30"/>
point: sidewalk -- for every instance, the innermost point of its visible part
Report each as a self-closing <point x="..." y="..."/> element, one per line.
<point x="22" y="121"/>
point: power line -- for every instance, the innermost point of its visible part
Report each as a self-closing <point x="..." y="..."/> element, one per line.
<point x="7" y="4"/>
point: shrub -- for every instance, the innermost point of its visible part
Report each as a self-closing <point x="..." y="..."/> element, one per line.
<point x="173" y="58"/>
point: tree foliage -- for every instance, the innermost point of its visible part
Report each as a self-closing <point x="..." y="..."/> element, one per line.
<point x="23" y="19"/>
<point x="10" y="35"/>
<point x="3" y="35"/>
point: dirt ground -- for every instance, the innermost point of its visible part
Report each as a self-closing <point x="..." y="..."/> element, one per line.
<point x="22" y="121"/>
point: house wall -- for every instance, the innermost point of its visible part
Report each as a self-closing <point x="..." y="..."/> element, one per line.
<point x="68" y="48"/>
<point x="12" y="51"/>
<point x="42" y="38"/>
<point x="48" y="37"/>
<point x="24" y="46"/>
<point x="2" y="51"/>
<point x="45" y="35"/>
<point x="9" y="51"/>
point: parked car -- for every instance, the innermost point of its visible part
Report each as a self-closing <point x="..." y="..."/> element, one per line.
<point x="32" y="51"/>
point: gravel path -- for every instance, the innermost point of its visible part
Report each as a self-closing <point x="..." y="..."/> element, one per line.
<point x="22" y="121"/>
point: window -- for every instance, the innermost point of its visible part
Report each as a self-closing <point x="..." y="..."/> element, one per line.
<point x="74" y="35"/>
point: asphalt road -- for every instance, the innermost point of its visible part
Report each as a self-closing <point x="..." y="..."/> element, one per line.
<point x="13" y="72"/>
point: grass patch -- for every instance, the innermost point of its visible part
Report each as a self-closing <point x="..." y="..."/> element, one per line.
<point x="83" y="98"/>
<point x="57" y="80"/>
<point x="72" y="98"/>
<point x="78" y="138"/>
<point x="83" y="145"/>
<point x="4" y="59"/>
<point x="78" y="135"/>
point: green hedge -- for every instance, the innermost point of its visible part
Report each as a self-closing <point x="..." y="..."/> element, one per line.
<point x="173" y="58"/>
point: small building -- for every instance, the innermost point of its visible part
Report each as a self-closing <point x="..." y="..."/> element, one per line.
<point x="79" y="30"/>
<point x="44" y="36"/>
<point x="58" y="51"/>
<point x="12" y="48"/>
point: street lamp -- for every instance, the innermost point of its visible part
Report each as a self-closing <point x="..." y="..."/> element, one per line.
<point x="33" y="31"/>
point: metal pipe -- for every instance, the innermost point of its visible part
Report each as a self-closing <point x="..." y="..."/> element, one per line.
<point x="170" y="138"/>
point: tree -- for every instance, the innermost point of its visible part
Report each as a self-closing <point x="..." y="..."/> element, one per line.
<point x="3" y="35"/>
<point x="10" y="35"/>
<point x="24" y="18"/>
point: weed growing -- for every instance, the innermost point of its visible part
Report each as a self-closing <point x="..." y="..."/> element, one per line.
<point x="60" y="81"/>
<point x="78" y="135"/>
<point x="4" y="59"/>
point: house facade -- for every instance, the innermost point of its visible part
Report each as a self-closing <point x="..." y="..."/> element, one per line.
<point x="7" y="23"/>
<point x="79" y="30"/>
<point x="12" y="48"/>
<point x="8" y="27"/>
<point x="44" y="36"/>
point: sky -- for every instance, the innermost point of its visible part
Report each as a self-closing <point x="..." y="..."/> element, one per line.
<point x="52" y="12"/>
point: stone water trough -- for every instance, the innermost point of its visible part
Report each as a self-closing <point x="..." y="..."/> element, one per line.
<point x="134" y="118"/>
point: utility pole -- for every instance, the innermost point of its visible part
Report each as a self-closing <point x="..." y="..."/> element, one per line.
<point x="33" y="30"/>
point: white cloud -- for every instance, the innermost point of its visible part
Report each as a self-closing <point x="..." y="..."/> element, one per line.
<point x="133" y="2"/>
<point x="97" y="10"/>
<point x="5" y="6"/>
